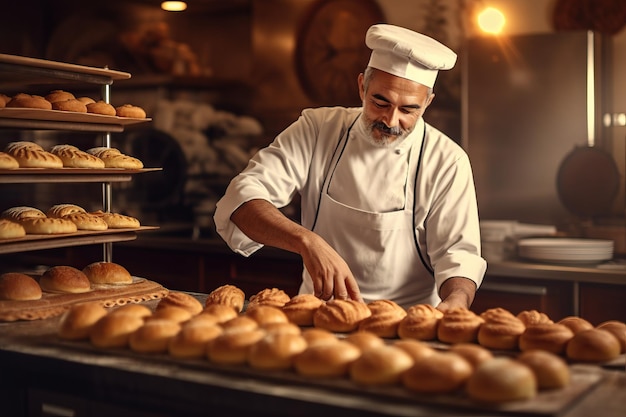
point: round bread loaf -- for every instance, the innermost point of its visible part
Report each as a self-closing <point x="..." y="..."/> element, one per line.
<point x="500" y="380"/>
<point x="276" y="351"/>
<point x="618" y="329"/>
<point x="48" y="226"/>
<point x="552" y="337"/>
<point x="551" y="371"/>
<point x="59" y="95"/>
<point x="193" y="338"/>
<point x="532" y="317"/>
<point x="114" y="330"/>
<point x="58" y="211"/>
<point x="300" y="309"/>
<point x="416" y="349"/>
<point x="73" y="157"/>
<point x="222" y="312"/>
<point x="10" y="229"/>
<point x="153" y="336"/>
<point x="575" y="324"/>
<point x="341" y="316"/>
<point x="182" y="300"/>
<point x="326" y="360"/>
<point x="86" y="100"/>
<point x="269" y="296"/>
<point x="64" y="279"/>
<point x="72" y="104"/>
<point x="8" y="162"/>
<point x="137" y="310"/>
<point x="32" y="158"/>
<point x="593" y="345"/>
<point x="364" y="340"/>
<point x="459" y="325"/>
<point x="19" y="287"/>
<point x="101" y="107"/>
<point x="23" y="100"/>
<point x="473" y="353"/>
<point x="121" y="161"/>
<point x="420" y="323"/>
<point x="172" y="313"/>
<point x="384" y="320"/>
<point x="107" y="273"/>
<point x="118" y="221"/>
<point x="265" y="314"/>
<point x="240" y="324"/>
<point x="383" y="365"/>
<point x="227" y="294"/>
<point x="129" y="110"/>
<point x="443" y="372"/>
<point x="501" y="329"/>
<point x="22" y="144"/>
<point x="231" y="347"/>
<point x="77" y="322"/>
<point x="22" y="212"/>
<point x="316" y="337"/>
<point x="86" y="221"/>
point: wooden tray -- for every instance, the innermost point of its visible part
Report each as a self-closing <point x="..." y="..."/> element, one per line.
<point x="66" y="116"/>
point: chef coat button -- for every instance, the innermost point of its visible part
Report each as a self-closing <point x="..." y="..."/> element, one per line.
<point x="398" y="151"/>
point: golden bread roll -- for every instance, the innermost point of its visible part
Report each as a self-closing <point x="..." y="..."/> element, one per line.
<point x="31" y="157"/>
<point x="19" y="287"/>
<point x="575" y="324"/>
<point x="618" y="329"/>
<point x="364" y="340"/>
<point x="86" y="100"/>
<point x="153" y="336"/>
<point x="114" y="330"/>
<point x="443" y="372"/>
<point x="73" y="157"/>
<point x="473" y="353"/>
<point x="22" y="212"/>
<point x="204" y="318"/>
<point x="326" y="360"/>
<point x="23" y="100"/>
<point x="501" y="329"/>
<point x="122" y="161"/>
<point x="117" y="220"/>
<point x="221" y="311"/>
<point x="182" y="300"/>
<point x="57" y="211"/>
<point x="128" y="110"/>
<point x="269" y="296"/>
<point x="385" y="318"/>
<point x="316" y="337"/>
<point x="341" y="316"/>
<point x="86" y="221"/>
<point x="10" y="229"/>
<point x="383" y="365"/>
<point x="192" y="339"/>
<point x="286" y="327"/>
<point x="227" y="294"/>
<point x="532" y="317"/>
<point x="72" y="104"/>
<point x="501" y="380"/>
<point x="107" y="273"/>
<point x="172" y="313"/>
<point x="59" y="95"/>
<point x="552" y="337"/>
<point x="137" y="310"/>
<point x="276" y="351"/>
<point x="100" y="107"/>
<point x="48" y="226"/>
<point x="22" y="144"/>
<point x="593" y="345"/>
<point x="551" y="371"/>
<point x="77" y="322"/>
<point x="64" y="279"/>
<point x="420" y="323"/>
<point x="240" y="324"/>
<point x="4" y="99"/>
<point x="103" y="151"/>
<point x="459" y="325"/>
<point x="300" y="309"/>
<point x="416" y="349"/>
<point x="8" y="162"/>
<point x="265" y="314"/>
<point x="231" y="348"/>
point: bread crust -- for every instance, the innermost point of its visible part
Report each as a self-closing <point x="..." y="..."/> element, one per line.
<point x="181" y="300"/>
<point x="459" y="325"/>
<point x="227" y="294"/>
<point x="10" y="229"/>
<point x="19" y="287"/>
<point x="420" y="323"/>
<point x="48" y="226"/>
<point x="77" y="322"/>
<point x="72" y="105"/>
<point x="8" y="162"/>
<point x="500" y="380"/>
<point x="342" y="316"/>
<point x="107" y="273"/>
<point x="385" y="318"/>
<point x="129" y="110"/>
<point x="73" y="157"/>
<point x="383" y="365"/>
<point x="64" y="279"/>
<point x="18" y="213"/>
<point x="23" y="100"/>
<point x="101" y="107"/>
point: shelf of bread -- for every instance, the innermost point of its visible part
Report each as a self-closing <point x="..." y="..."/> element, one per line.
<point x="57" y="175"/>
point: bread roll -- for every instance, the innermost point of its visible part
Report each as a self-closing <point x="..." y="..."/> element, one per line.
<point x="286" y="327"/>
<point x="86" y="100"/>
<point x="276" y="351"/>
<point x="576" y="324"/>
<point x="416" y="349"/>
<point x="383" y="365"/>
<point x="64" y="279"/>
<point x="114" y="330"/>
<point x="86" y="221"/>
<point x="443" y="372"/>
<point x="22" y="212"/>
<point x="265" y="314"/>
<point x="341" y="316"/>
<point x="129" y="110"/>
<point x="240" y="324"/>
<point x="326" y="360"/>
<point x="72" y="104"/>
<point x="231" y="348"/>
<point x="618" y="329"/>
<point x="77" y="322"/>
<point x="364" y="340"/>
<point x="227" y="294"/>
<point x="420" y="323"/>
<point x="101" y="107"/>
<point x="221" y="311"/>
<point x="137" y="310"/>
<point x="316" y="337"/>
<point x="300" y="309"/>
<point x="119" y="221"/>
<point x="500" y="330"/>
<point x="73" y="157"/>
<point x="23" y="100"/>
<point x="58" y="211"/>
<point x="10" y="229"/>
<point x="269" y="296"/>
<point x="593" y="345"/>
<point x="193" y="339"/>
<point x="181" y="300"/>
<point x="501" y="380"/>
<point x="172" y="313"/>
<point x="8" y="162"/>
<point x="459" y="325"/>
<point x="122" y="162"/>
<point x="474" y="354"/>
<point x="59" y="95"/>
<point x="103" y="151"/>
<point x="153" y="336"/>
<point x="30" y="158"/>
<point x="22" y="144"/>
<point x="48" y="226"/>
<point x="532" y="317"/>
<point x="384" y="320"/>
<point x="551" y="337"/>
<point x="4" y="99"/>
<point x="204" y="318"/>
<point x="551" y="371"/>
<point x="107" y="273"/>
<point x="19" y="287"/>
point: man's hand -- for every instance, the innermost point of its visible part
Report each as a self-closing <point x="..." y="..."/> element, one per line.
<point x="456" y="292"/>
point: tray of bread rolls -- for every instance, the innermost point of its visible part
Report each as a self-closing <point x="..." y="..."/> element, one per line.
<point x="67" y="116"/>
<point x="342" y="346"/>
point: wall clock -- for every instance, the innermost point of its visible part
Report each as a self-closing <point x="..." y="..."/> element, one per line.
<point x="331" y="50"/>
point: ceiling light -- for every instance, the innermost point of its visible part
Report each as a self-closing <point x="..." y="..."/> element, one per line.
<point x="491" y="20"/>
<point x="173" y="6"/>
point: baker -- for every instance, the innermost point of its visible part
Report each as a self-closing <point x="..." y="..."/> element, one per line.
<point x="388" y="202"/>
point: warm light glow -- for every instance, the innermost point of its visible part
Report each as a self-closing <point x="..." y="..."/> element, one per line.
<point x="173" y="6"/>
<point x="491" y="20"/>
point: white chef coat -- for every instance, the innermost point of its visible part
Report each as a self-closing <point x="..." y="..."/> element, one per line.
<point x="442" y="196"/>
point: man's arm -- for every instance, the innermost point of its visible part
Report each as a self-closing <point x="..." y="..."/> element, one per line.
<point x="264" y="223"/>
<point x="457" y="292"/>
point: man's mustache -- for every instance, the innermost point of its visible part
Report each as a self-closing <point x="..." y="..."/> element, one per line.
<point x="393" y="131"/>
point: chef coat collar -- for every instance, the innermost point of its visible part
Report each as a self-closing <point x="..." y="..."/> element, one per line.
<point x="400" y="147"/>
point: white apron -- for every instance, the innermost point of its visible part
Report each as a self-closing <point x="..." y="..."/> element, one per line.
<point x="379" y="248"/>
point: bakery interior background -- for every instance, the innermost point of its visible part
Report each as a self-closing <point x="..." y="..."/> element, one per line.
<point x="222" y="78"/>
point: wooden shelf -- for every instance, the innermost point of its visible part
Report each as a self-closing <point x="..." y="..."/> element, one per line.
<point x="71" y="175"/>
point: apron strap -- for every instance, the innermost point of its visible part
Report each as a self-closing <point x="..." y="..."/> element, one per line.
<point x="422" y="256"/>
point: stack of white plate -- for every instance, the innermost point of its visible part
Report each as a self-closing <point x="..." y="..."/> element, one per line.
<point x="566" y="250"/>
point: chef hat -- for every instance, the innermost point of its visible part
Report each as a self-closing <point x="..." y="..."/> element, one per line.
<point x="407" y="54"/>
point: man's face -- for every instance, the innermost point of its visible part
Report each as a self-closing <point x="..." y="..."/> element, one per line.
<point x="392" y="106"/>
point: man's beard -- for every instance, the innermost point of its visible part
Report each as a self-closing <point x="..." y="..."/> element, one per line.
<point x="387" y="135"/>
